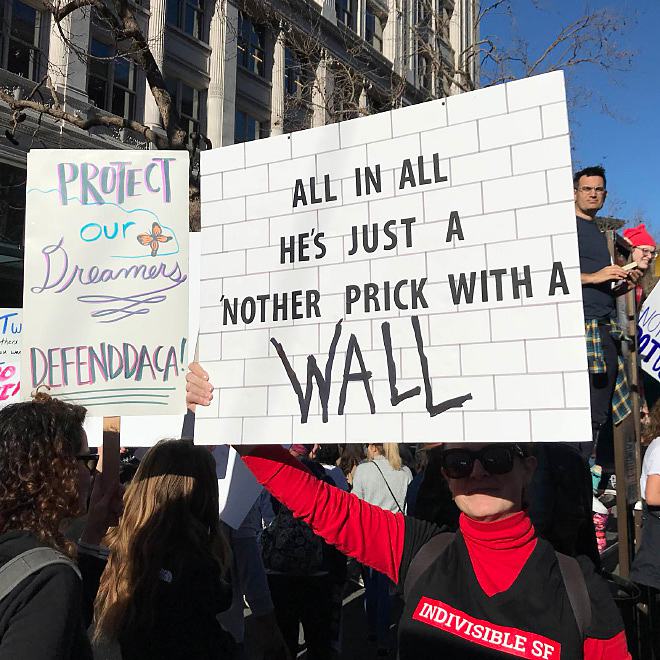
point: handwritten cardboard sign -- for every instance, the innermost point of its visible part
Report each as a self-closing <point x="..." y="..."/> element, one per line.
<point x="10" y="355"/>
<point x="106" y="279"/>
<point x="410" y="276"/>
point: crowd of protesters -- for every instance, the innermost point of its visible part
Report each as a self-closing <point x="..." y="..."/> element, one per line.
<point x="492" y="550"/>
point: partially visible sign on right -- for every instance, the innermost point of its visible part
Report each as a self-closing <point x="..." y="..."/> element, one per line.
<point x="648" y="334"/>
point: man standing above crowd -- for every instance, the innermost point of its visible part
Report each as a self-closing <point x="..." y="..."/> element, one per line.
<point x="602" y="282"/>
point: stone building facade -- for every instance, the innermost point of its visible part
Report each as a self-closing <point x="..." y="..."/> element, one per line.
<point x="236" y="70"/>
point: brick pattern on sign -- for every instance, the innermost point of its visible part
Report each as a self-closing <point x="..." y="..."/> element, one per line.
<point x="503" y="156"/>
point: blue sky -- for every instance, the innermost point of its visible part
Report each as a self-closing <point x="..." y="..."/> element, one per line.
<point x="626" y="138"/>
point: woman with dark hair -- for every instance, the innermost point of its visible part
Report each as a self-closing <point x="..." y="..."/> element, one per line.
<point x="351" y="456"/>
<point x="45" y="478"/>
<point x="492" y="590"/>
<point x="167" y="572"/>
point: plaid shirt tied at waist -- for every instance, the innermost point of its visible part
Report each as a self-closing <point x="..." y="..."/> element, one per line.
<point x="596" y="359"/>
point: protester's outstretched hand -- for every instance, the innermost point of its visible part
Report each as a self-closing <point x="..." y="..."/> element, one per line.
<point x="199" y="391"/>
<point x="105" y="508"/>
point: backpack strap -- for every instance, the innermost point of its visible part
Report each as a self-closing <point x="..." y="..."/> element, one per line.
<point x="398" y="506"/>
<point x="576" y="588"/>
<point x="27" y="563"/>
<point x="425" y="556"/>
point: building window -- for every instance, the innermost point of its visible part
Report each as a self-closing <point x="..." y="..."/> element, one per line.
<point x="187" y="101"/>
<point x="346" y="11"/>
<point x="187" y="15"/>
<point x="293" y="78"/>
<point x="424" y="72"/>
<point x="424" y="13"/>
<point x="21" y="31"/>
<point x="406" y="35"/>
<point x="12" y="226"/>
<point x="246" y="127"/>
<point x="373" y="30"/>
<point x="111" y="80"/>
<point x="250" y="42"/>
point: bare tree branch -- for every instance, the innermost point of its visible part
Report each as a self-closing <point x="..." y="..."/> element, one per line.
<point x="593" y="38"/>
<point x="60" y="12"/>
<point x="92" y="119"/>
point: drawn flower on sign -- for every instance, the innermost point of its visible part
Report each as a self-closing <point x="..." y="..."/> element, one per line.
<point x="154" y="239"/>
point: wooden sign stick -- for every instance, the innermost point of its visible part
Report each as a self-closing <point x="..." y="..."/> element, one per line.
<point x="109" y="461"/>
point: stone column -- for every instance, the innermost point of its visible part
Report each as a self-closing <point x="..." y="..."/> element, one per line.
<point x="156" y="38"/>
<point x="215" y="97"/>
<point x="229" y="86"/>
<point x="322" y="93"/>
<point x="277" y="93"/>
<point x="392" y="37"/>
<point x="67" y="71"/>
<point x="463" y="33"/>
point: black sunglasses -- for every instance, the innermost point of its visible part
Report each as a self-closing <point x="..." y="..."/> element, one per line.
<point x="90" y="461"/>
<point x="495" y="459"/>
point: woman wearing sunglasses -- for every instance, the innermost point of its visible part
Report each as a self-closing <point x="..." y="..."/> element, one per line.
<point x="493" y="590"/>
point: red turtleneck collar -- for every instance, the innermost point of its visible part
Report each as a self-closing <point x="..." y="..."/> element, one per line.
<point x="498" y="550"/>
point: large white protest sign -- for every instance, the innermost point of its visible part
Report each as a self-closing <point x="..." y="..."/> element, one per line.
<point x="648" y="334"/>
<point x="10" y="355"/>
<point x="106" y="284"/>
<point x="409" y="276"/>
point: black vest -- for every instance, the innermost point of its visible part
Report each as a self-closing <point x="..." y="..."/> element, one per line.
<point x="448" y="615"/>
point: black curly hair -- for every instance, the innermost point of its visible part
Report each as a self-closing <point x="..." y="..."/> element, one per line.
<point x="39" y="441"/>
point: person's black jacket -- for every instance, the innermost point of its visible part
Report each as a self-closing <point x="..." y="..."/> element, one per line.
<point x="42" y="618"/>
<point x="184" y="618"/>
<point x="46" y="617"/>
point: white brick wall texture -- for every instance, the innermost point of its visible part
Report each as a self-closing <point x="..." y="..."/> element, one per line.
<point x="239" y="183"/>
<point x="546" y="220"/>
<point x="212" y="188"/>
<point x="389" y="154"/>
<point x="314" y="141"/>
<point x="560" y="184"/>
<point x="509" y="129"/>
<point x="430" y="115"/>
<point x="420" y="428"/>
<point x="555" y="119"/>
<point x="221" y="212"/>
<point x="451" y="141"/>
<point x="505" y="152"/>
<point x="277" y="149"/>
<point x="493" y="164"/>
<point x="466" y="200"/>
<point x="490" y="228"/>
